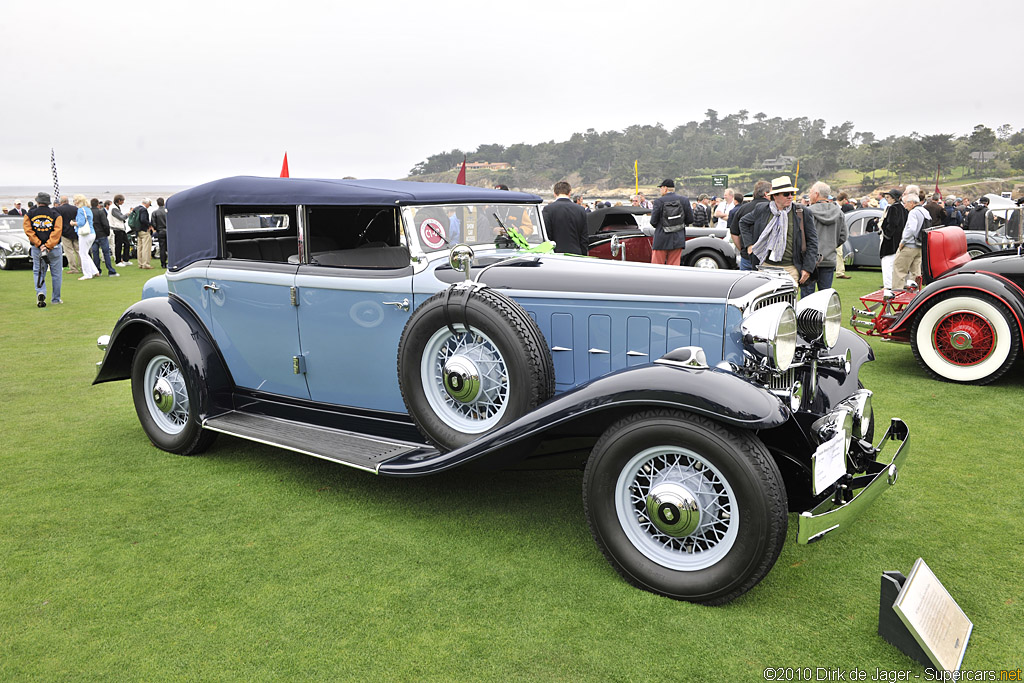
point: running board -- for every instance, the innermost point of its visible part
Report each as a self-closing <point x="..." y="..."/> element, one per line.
<point x="336" y="445"/>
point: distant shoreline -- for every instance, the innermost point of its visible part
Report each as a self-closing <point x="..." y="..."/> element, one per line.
<point x="133" y="194"/>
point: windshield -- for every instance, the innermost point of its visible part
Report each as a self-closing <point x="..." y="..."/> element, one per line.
<point x="443" y="226"/>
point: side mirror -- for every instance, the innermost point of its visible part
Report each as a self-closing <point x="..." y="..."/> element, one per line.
<point x="460" y="258"/>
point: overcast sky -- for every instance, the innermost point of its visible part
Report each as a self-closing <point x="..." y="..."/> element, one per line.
<point x="178" y="93"/>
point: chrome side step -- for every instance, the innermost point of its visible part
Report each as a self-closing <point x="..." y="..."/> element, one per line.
<point x="337" y="445"/>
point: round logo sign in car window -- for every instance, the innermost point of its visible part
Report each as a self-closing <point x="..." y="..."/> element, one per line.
<point x="432" y="233"/>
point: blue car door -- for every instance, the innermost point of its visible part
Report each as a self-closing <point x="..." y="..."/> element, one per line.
<point x="350" y="323"/>
<point x="255" y="324"/>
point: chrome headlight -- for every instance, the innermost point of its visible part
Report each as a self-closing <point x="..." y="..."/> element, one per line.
<point x="819" y="316"/>
<point x="18" y="248"/>
<point x="853" y="414"/>
<point x="772" y="332"/>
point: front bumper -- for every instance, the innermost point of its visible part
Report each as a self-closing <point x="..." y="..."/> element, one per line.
<point x="830" y="515"/>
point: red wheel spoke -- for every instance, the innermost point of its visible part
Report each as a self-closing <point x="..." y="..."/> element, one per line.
<point x="964" y="338"/>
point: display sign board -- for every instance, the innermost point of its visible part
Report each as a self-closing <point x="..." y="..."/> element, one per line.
<point x="932" y="616"/>
<point x="720" y="180"/>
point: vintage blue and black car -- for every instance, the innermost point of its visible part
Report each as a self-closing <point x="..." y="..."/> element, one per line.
<point x="407" y="329"/>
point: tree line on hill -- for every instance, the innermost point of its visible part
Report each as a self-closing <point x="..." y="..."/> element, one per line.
<point x="739" y="141"/>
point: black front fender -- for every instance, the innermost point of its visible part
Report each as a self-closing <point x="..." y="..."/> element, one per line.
<point x="197" y="354"/>
<point x="590" y="408"/>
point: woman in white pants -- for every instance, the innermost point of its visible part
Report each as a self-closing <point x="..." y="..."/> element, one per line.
<point x="86" y="236"/>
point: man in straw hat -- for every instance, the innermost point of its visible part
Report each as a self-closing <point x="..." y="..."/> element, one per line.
<point x="780" y="235"/>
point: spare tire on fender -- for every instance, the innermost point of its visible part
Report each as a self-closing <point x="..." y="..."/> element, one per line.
<point x="471" y="360"/>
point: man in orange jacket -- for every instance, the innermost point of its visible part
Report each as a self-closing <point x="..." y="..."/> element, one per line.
<point x="43" y="227"/>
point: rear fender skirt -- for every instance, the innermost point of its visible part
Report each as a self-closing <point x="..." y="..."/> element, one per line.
<point x="187" y="336"/>
<point x="587" y="410"/>
<point x="986" y="283"/>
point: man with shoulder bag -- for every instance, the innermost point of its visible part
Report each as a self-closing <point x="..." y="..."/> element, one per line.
<point x="669" y="217"/>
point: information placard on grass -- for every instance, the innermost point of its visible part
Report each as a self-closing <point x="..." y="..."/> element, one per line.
<point x="933" y="617"/>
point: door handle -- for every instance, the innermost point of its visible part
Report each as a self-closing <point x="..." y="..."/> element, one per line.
<point x="402" y="305"/>
<point x="212" y="287"/>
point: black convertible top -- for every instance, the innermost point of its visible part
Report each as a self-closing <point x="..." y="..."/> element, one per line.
<point x="615" y="215"/>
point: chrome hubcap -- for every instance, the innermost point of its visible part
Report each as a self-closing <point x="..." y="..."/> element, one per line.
<point x="673" y="509"/>
<point x="465" y="380"/>
<point x="960" y="340"/>
<point x="163" y="395"/>
<point x="461" y="379"/>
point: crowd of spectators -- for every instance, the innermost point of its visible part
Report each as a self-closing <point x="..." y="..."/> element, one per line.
<point x="80" y="230"/>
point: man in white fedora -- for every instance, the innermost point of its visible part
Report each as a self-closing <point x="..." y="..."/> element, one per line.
<point x="781" y="235"/>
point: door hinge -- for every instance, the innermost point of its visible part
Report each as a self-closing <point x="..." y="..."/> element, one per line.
<point x="295" y="296"/>
<point x="299" y="365"/>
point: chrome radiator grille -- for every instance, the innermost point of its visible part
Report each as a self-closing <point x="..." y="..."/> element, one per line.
<point x="784" y="381"/>
<point x="788" y="297"/>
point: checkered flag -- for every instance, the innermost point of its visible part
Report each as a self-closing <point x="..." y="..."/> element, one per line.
<point x="56" y="184"/>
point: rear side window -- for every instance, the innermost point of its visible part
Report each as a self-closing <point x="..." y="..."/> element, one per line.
<point x="260" y="233"/>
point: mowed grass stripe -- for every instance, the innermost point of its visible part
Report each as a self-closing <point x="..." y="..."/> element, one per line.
<point x="119" y="561"/>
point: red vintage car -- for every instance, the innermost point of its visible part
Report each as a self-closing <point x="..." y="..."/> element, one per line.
<point x="966" y="323"/>
<point x="624" y="233"/>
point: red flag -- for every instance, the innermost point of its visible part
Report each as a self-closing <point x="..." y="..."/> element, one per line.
<point x="284" y="166"/>
<point x="461" y="179"/>
<point x="938" y="172"/>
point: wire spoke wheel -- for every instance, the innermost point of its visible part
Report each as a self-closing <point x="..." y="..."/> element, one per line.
<point x="968" y="338"/>
<point x="964" y="338"/>
<point x="165" y="400"/>
<point x="471" y="361"/>
<point x="652" y="488"/>
<point x="684" y="506"/>
<point x="167" y="397"/>
<point x="465" y="379"/>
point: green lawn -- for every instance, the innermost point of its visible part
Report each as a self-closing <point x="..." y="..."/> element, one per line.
<point x="121" y="562"/>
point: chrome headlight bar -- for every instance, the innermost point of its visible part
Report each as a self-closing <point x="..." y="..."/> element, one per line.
<point x="771" y="331"/>
<point x="819" y="317"/>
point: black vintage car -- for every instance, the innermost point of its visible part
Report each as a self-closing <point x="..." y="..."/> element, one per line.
<point x="625" y="233"/>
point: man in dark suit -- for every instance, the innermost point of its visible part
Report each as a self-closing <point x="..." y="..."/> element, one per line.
<point x="668" y="245"/>
<point x="566" y="222"/>
<point x="17" y="210"/>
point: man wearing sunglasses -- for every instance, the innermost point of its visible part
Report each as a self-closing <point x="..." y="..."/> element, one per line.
<point x="779" y="235"/>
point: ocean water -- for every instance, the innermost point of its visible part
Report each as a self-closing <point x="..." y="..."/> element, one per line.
<point x="133" y="194"/>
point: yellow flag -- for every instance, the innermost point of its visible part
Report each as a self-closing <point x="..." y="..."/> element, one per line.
<point x="797" y="174"/>
<point x="636" y="174"/>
